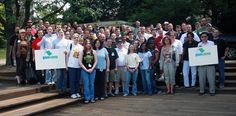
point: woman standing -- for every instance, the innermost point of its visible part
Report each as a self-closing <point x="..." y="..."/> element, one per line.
<point x="101" y="68"/>
<point x="190" y="43"/>
<point x="88" y="62"/>
<point x="169" y="59"/>
<point x="72" y="62"/>
<point x="131" y="63"/>
<point x="21" y="53"/>
<point x="145" y="66"/>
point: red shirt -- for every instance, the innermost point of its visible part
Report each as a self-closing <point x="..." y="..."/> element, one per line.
<point x="35" y="42"/>
<point x="158" y="43"/>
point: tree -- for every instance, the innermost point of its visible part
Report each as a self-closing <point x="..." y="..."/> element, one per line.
<point x="17" y="12"/>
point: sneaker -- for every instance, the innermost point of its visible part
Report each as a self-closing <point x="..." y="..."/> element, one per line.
<point x="212" y="94"/>
<point x="201" y="94"/>
<point x="125" y="95"/>
<point x="86" y="101"/>
<point x="78" y="95"/>
<point x="159" y="92"/>
<point x="221" y="87"/>
<point x="92" y="101"/>
<point x="117" y="92"/>
<point x="74" y="96"/>
<point x="134" y="94"/>
<point x="111" y="95"/>
<point x="52" y="83"/>
<point x="102" y="98"/>
<point x="49" y="83"/>
<point x="96" y="98"/>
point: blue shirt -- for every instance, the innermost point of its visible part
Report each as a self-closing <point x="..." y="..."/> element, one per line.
<point x="145" y="58"/>
<point x="101" y="56"/>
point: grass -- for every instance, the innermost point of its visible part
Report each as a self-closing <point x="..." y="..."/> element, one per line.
<point x="2" y="53"/>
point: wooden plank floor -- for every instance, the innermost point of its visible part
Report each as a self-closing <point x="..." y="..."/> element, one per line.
<point x="179" y="104"/>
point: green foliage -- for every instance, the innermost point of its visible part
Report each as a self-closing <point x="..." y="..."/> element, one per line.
<point x="2" y="53"/>
<point x="176" y="11"/>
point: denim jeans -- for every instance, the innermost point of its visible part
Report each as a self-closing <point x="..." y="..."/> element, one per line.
<point x="134" y="76"/>
<point x="74" y="78"/>
<point x="61" y="79"/>
<point x="186" y="74"/>
<point x="221" y="66"/>
<point x="88" y="81"/>
<point x="146" y="79"/>
<point x="50" y="75"/>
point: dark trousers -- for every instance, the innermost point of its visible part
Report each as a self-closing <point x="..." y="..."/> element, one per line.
<point x="74" y="79"/>
<point x="38" y="73"/>
<point x="20" y="68"/>
<point x="99" y="84"/>
<point x="179" y="75"/>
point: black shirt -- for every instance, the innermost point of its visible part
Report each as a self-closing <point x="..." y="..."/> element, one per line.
<point x="88" y="59"/>
<point x="221" y="46"/>
<point x="186" y="46"/>
<point x="112" y="57"/>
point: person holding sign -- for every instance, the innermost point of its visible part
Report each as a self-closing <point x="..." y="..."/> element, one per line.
<point x="61" y="74"/>
<point x="88" y="62"/>
<point x="206" y="71"/>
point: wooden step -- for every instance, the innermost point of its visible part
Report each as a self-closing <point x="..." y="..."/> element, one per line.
<point x="41" y="107"/>
<point x="23" y="91"/>
<point x="11" y="103"/>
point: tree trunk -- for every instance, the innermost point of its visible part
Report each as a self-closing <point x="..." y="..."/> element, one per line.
<point x="10" y="22"/>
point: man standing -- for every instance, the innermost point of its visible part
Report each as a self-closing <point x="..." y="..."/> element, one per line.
<point x="113" y="56"/>
<point x="222" y="50"/>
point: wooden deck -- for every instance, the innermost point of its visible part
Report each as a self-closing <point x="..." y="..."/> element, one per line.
<point x="179" y="104"/>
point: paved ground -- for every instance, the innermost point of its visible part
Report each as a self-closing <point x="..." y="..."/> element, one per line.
<point x="162" y="105"/>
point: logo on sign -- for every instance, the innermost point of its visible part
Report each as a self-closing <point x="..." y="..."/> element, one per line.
<point x="48" y="55"/>
<point x="202" y="52"/>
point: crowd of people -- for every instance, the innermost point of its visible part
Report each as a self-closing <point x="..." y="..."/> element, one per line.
<point x="101" y="61"/>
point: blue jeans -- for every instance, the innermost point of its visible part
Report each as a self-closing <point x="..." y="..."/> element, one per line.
<point x="88" y="81"/>
<point x="61" y="79"/>
<point x="134" y="76"/>
<point x="74" y="76"/>
<point x="146" y="79"/>
<point x="50" y="75"/>
<point x="221" y="66"/>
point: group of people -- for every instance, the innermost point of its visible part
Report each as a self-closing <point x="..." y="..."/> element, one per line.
<point x="104" y="61"/>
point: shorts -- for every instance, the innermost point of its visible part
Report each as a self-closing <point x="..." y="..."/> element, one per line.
<point x="120" y="74"/>
<point x="111" y="76"/>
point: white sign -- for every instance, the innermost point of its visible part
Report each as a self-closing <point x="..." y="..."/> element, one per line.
<point x="50" y="59"/>
<point x="200" y="56"/>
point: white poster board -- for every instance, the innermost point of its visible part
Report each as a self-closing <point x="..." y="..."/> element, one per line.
<point x="200" y="56"/>
<point x="49" y="59"/>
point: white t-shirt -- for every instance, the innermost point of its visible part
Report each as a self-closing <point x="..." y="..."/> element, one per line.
<point x="121" y="53"/>
<point x="74" y="53"/>
<point x="132" y="60"/>
<point x="178" y="45"/>
<point x="145" y="58"/>
<point x="208" y="43"/>
<point x="147" y="36"/>
<point x="125" y="45"/>
<point x="184" y="38"/>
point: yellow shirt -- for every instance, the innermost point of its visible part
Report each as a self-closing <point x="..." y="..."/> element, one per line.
<point x="132" y="60"/>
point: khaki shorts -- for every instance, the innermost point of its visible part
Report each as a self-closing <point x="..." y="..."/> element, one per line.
<point x="111" y="76"/>
<point x="120" y="74"/>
